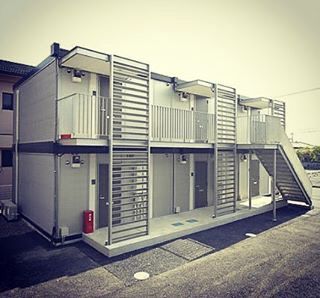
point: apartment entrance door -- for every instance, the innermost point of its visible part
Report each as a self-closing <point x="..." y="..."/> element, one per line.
<point x="103" y="202"/>
<point x="254" y="178"/>
<point x="201" y="184"/>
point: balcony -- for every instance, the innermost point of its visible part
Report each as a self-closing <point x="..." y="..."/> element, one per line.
<point x="83" y="120"/>
<point x="174" y="125"/>
<point x="258" y="129"/>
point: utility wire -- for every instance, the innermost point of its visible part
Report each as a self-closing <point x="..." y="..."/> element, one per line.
<point x="307" y="131"/>
<point x="299" y="92"/>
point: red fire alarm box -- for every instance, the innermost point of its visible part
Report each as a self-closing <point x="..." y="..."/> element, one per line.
<point x="88" y="221"/>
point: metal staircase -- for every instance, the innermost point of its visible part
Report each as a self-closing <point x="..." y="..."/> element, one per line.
<point x="129" y="154"/>
<point x="291" y="178"/>
<point x="288" y="183"/>
<point x="225" y="176"/>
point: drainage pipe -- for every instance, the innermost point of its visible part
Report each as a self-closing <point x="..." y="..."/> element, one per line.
<point x="16" y="178"/>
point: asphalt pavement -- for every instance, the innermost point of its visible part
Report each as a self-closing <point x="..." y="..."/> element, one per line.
<point x="282" y="260"/>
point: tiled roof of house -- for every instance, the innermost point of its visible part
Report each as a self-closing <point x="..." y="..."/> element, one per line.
<point x="13" y="68"/>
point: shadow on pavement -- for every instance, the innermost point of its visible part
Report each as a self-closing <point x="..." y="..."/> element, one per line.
<point x="229" y="234"/>
<point x="27" y="259"/>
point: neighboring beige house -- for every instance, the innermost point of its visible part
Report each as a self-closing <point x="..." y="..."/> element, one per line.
<point x="10" y="73"/>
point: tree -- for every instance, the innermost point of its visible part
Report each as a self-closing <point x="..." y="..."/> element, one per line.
<point x="309" y="154"/>
<point x="316" y="154"/>
<point x="305" y="154"/>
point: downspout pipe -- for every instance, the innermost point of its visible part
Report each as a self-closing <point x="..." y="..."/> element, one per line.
<point x="16" y="178"/>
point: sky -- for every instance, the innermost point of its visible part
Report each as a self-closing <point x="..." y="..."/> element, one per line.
<point x="261" y="47"/>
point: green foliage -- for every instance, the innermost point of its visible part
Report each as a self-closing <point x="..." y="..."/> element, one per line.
<point x="309" y="154"/>
<point x="316" y="153"/>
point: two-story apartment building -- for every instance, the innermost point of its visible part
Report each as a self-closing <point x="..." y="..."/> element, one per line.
<point x="154" y="157"/>
<point x="10" y="73"/>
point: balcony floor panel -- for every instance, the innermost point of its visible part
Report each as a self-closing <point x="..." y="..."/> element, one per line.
<point x="180" y="144"/>
<point x="83" y="142"/>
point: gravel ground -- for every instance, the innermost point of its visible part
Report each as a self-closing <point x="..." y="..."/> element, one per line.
<point x="283" y="260"/>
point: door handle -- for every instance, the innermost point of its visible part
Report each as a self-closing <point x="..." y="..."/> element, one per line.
<point x="101" y="197"/>
<point x="200" y="190"/>
<point x="255" y="182"/>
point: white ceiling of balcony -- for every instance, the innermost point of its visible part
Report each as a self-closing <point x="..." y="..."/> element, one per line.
<point x="258" y="103"/>
<point x="196" y="87"/>
<point x="87" y="60"/>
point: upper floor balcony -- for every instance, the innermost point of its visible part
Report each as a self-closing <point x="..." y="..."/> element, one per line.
<point x="84" y="120"/>
<point x="259" y="129"/>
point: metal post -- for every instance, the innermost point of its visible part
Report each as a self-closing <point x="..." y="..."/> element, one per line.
<point x="236" y="186"/>
<point x="149" y="172"/>
<point x="236" y="160"/>
<point x="249" y="180"/>
<point x="16" y="165"/>
<point x="274" y="183"/>
<point x="109" y="241"/>
<point x="215" y="166"/>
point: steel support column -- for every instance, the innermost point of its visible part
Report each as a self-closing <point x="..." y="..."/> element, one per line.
<point x="249" y="180"/>
<point x="274" y="185"/>
<point x="215" y="165"/>
<point x="110" y="134"/>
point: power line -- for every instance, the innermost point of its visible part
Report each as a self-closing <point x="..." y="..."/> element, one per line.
<point x="307" y="131"/>
<point x="299" y="92"/>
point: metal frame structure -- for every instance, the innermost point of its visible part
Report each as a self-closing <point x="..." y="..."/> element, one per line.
<point x="129" y="149"/>
<point x="278" y="109"/>
<point x="225" y="150"/>
<point x="274" y="185"/>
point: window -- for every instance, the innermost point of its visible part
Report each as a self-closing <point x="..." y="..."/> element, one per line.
<point x="6" y="158"/>
<point x="7" y="101"/>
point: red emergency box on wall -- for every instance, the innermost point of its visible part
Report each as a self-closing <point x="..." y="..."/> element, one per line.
<point x="88" y="221"/>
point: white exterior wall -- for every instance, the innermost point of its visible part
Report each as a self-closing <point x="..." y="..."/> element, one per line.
<point x="36" y="188"/>
<point x="181" y="183"/>
<point x="67" y="87"/>
<point x="264" y="185"/>
<point x="164" y="95"/>
<point x="162" y="203"/>
<point x="265" y="181"/>
<point x="243" y="125"/>
<point x="37" y="104"/>
<point x="244" y="177"/>
<point x="73" y="193"/>
<point x="171" y="184"/>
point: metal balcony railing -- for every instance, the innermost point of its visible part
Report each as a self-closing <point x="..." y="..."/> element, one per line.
<point x="82" y="116"/>
<point x="264" y="129"/>
<point x="178" y="125"/>
<point x="258" y="129"/>
<point x="86" y="116"/>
